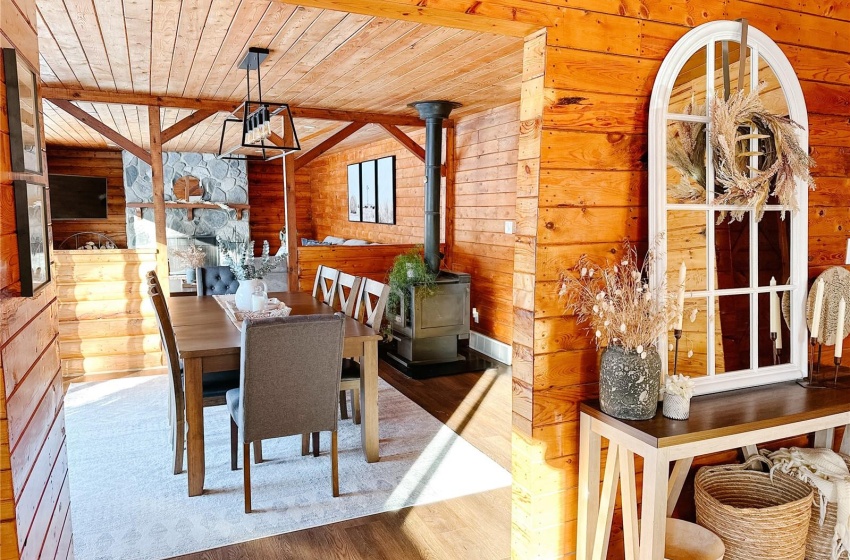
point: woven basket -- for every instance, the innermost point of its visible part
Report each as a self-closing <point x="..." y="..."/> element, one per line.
<point x="819" y="543"/>
<point x="756" y="518"/>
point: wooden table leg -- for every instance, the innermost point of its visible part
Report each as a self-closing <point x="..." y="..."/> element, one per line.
<point x="628" y="491"/>
<point x="369" y="401"/>
<point x="677" y="482"/>
<point x="193" y="383"/>
<point x="654" y="508"/>
<point x="602" y="534"/>
<point x="825" y="438"/>
<point x="845" y="441"/>
<point x="590" y="454"/>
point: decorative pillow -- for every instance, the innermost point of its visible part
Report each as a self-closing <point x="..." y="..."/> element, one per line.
<point x="311" y="242"/>
<point x="334" y="240"/>
<point x="356" y="242"/>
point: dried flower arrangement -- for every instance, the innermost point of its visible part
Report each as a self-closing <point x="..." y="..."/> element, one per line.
<point x="679" y="385"/>
<point x="686" y="153"/>
<point x="241" y="262"/>
<point x="735" y="122"/>
<point x="192" y="256"/>
<point x="617" y="303"/>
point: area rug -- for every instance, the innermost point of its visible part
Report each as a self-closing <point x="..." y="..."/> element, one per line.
<point x="125" y="503"/>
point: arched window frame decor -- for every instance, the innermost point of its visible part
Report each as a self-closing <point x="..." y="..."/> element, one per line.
<point x="761" y="47"/>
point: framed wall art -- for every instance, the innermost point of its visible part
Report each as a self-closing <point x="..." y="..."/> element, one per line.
<point x="368" y="191"/>
<point x="354" y="210"/>
<point x="386" y="190"/>
<point x="33" y="237"/>
<point x="22" y="106"/>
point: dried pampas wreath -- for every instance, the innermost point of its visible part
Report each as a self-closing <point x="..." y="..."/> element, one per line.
<point x="735" y="123"/>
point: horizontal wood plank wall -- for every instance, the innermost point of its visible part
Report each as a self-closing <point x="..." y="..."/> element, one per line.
<point x="373" y="261"/>
<point x="106" y="320"/>
<point x="34" y="499"/>
<point x="600" y="65"/>
<point x="265" y="195"/>
<point x="93" y="163"/>
<point x="486" y="147"/>
<point x="328" y="188"/>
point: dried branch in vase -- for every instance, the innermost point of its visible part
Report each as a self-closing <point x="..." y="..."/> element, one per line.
<point x="192" y="256"/>
<point x="616" y="301"/>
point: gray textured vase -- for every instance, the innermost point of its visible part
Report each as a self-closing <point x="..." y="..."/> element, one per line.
<point x="628" y="384"/>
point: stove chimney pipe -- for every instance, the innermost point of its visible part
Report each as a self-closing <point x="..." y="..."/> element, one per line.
<point x="433" y="113"/>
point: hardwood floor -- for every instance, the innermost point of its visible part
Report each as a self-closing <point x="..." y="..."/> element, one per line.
<point x="477" y="406"/>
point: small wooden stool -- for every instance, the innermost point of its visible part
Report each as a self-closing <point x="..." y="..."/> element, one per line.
<point x="689" y="541"/>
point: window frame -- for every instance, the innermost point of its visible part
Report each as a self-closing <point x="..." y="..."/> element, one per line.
<point x="762" y="47"/>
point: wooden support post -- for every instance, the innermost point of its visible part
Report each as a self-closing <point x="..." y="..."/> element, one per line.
<point x="289" y="214"/>
<point x="450" y="168"/>
<point x="405" y="141"/>
<point x="158" y="181"/>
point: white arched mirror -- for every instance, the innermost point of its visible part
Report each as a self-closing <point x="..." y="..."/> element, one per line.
<point x="731" y="251"/>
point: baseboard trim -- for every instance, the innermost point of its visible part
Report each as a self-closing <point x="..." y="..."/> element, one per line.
<point x="491" y="347"/>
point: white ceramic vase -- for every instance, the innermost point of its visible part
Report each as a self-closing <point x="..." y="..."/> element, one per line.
<point x="246" y="290"/>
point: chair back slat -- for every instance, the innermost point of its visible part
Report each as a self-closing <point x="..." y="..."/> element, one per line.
<point x="371" y="302"/>
<point x="347" y="286"/>
<point x="169" y="343"/>
<point x="324" y="287"/>
<point x="290" y="375"/>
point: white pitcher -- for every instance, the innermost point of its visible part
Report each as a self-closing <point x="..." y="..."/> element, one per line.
<point x="245" y="291"/>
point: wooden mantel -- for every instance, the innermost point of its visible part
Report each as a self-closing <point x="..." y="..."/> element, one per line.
<point x="190" y="207"/>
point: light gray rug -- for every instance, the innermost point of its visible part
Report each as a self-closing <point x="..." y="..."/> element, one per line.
<point x="125" y="503"/>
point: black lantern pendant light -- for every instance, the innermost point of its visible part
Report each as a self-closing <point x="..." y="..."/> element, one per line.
<point x="256" y="118"/>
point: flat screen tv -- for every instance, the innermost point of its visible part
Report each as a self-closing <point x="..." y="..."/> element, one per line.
<point x="73" y="197"/>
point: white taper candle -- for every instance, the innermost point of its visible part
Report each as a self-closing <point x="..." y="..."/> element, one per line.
<point x="839" y="329"/>
<point x="774" y="308"/>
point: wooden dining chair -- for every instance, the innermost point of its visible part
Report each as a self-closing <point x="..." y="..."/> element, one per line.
<point x="368" y="309"/>
<point x="347" y="287"/>
<point x="215" y="385"/>
<point x="324" y="287"/>
<point x="289" y="383"/>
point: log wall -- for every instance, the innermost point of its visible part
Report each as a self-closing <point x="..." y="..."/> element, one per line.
<point x="34" y="498"/>
<point x="106" y="320"/>
<point x="93" y="163"/>
<point x="265" y="194"/>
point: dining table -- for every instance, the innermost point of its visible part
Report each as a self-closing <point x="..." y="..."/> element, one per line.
<point x="208" y="341"/>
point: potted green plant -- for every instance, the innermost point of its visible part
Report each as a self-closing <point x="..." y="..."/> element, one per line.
<point x="408" y="270"/>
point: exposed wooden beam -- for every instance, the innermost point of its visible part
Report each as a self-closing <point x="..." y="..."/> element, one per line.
<point x="158" y="187"/>
<point x="519" y="18"/>
<point x="185" y="124"/>
<point x="411" y="145"/>
<point x="406" y="141"/>
<point x="102" y="129"/>
<point x="327" y="144"/>
<point x="221" y="105"/>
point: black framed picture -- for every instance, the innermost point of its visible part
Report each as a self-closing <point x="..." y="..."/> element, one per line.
<point x="368" y="191"/>
<point x="386" y="190"/>
<point x="354" y="211"/>
<point x="22" y="106"/>
<point x="33" y="239"/>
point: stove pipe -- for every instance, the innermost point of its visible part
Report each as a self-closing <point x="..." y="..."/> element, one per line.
<point x="433" y="113"/>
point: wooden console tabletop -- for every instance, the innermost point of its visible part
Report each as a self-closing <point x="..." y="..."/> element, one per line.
<point x="718" y="422"/>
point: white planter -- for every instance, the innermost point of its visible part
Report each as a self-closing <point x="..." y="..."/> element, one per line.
<point x="245" y="291"/>
<point x="676" y="407"/>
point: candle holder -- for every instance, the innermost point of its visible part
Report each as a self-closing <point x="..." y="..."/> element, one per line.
<point x="837" y="361"/>
<point x="677" y="334"/>
<point x="773" y="337"/>
<point x="811" y="382"/>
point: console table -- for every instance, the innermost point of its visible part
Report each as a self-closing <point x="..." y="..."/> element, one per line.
<point x="718" y="422"/>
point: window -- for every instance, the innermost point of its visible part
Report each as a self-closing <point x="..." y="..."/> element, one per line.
<point x="731" y="256"/>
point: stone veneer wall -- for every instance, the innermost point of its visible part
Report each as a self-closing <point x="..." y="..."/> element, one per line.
<point x="223" y="181"/>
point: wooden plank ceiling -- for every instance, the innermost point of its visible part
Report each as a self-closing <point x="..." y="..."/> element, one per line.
<point x="319" y="58"/>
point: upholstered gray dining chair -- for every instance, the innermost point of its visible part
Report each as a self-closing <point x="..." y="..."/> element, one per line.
<point x="216" y="280"/>
<point x="288" y="386"/>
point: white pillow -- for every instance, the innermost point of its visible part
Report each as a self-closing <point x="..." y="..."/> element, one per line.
<point x="356" y="242"/>
<point x="333" y="240"/>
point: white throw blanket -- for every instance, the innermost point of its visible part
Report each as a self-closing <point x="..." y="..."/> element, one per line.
<point x="825" y="470"/>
